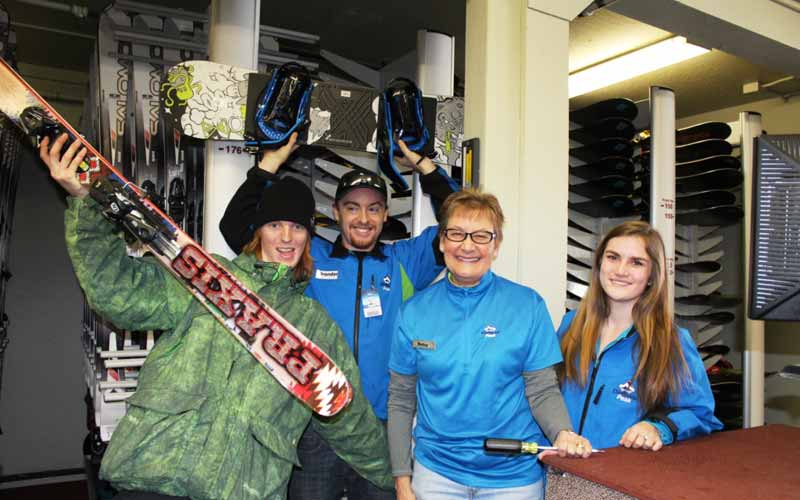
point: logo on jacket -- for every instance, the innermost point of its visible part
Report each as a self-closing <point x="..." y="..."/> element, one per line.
<point x="490" y="331"/>
<point x="387" y="283"/>
<point x="327" y="275"/>
<point x="626" y="392"/>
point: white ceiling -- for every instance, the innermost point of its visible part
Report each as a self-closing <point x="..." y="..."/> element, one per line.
<point x="605" y="35"/>
<point x="705" y="83"/>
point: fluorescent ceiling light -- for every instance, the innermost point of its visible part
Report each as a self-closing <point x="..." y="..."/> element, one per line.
<point x="630" y="65"/>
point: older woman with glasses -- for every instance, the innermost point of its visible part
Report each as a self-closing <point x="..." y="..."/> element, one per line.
<point x="474" y="356"/>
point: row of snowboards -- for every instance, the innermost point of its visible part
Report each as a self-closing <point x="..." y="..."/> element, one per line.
<point x="610" y="182"/>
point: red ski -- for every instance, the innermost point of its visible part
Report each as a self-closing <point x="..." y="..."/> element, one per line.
<point x="296" y="363"/>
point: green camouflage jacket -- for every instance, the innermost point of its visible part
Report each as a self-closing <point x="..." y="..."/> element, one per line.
<point x="207" y="421"/>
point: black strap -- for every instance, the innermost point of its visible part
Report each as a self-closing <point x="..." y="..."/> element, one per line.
<point x="662" y="416"/>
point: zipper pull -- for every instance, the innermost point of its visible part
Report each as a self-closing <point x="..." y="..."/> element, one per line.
<point x="599" y="393"/>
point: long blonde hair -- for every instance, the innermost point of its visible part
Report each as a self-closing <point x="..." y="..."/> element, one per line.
<point x="662" y="368"/>
<point x="305" y="266"/>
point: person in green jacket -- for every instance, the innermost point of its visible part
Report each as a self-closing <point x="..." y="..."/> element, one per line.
<point x="207" y="421"/>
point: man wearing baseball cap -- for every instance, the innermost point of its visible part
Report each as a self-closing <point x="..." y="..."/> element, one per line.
<point x="361" y="282"/>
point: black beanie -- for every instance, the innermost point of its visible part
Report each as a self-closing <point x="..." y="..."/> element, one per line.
<point x="286" y="199"/>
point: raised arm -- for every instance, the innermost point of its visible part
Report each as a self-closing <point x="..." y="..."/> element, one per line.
<point x="233" y="225"/>
<point x="434" y="180"/>
<point x="136" y="294"/>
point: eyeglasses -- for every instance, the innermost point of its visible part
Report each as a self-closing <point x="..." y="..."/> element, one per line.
<point x="478" y="237"/>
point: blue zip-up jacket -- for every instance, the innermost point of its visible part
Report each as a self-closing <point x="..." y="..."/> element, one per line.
<point x="469" y="348"/>
<point x="396" y="271"/>
<point x="608" y="405"/>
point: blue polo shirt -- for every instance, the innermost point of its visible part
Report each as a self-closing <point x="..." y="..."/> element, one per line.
<point x="469" y="348"/>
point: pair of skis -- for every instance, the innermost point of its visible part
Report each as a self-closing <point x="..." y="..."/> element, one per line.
<point x="295" y="362"/>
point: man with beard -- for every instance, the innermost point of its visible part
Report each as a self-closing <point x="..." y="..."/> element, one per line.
<point x="361" y="282"/>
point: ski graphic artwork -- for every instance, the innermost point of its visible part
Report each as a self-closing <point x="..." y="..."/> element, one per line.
<point x="296" y="362"/>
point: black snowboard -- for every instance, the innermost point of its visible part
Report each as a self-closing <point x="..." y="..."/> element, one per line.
<point x="605" y="128"/>
<point x="722" y="178"/>
<point x="702" y="149"/>
<point x="695" y="133"/>
<point x="714" y="216"/>
<point x="714" y="349"/>
<point x="578" y="244"/>
<point x="603" y="186"/>
<point x="715" y="318"/>
<point x="702" y="266"/>
<point x="603" y="149"/>
<point x="571" y="277"/>
<point x="573" y="260"/>
<point x="715" y="300"/>
<point x="607" y="206"/>
<point x="610" y="108"/>
<point x="574" y="224"/>
<point x="705" y="199"/>
<point x="706" y="165"/>
<point x="613" y="165"/>
<point x="694" y="151"/>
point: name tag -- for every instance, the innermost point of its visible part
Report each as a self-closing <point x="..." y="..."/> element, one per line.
<point x="371" y="302"/>
<point x="428" y="345"/>
<point x="326" y="275"/>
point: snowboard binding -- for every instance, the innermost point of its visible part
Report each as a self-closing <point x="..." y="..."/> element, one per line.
<point x="399" y="117"/>
<point x="283" y="107"/>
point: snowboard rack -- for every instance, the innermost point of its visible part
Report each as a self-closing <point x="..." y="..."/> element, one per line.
<point x="283" y="107"/>
<point x="399" y="117"/>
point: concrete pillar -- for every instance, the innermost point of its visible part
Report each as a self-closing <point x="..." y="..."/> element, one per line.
<point x="233" y="40"/>
<point x="516" y="103"/>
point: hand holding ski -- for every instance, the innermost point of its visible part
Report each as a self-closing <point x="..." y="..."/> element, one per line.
<point x="64" y="168"/>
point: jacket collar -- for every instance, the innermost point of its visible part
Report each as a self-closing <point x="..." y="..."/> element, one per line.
<point x="266" y="272"/>
<point x="340" y="252"/>
<point x="485" y="282"/>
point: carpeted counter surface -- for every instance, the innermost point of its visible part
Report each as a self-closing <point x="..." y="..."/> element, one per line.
<point x="752" y="464"/>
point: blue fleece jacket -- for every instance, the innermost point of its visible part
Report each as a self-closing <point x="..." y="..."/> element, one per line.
<point x="607" y="405"/>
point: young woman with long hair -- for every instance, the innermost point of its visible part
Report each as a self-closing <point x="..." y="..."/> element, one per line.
<point x="630" y="376"/>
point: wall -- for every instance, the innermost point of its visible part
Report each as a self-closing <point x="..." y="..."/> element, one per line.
<point x="782" y="396"/>
<point x="41" y="404"/>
